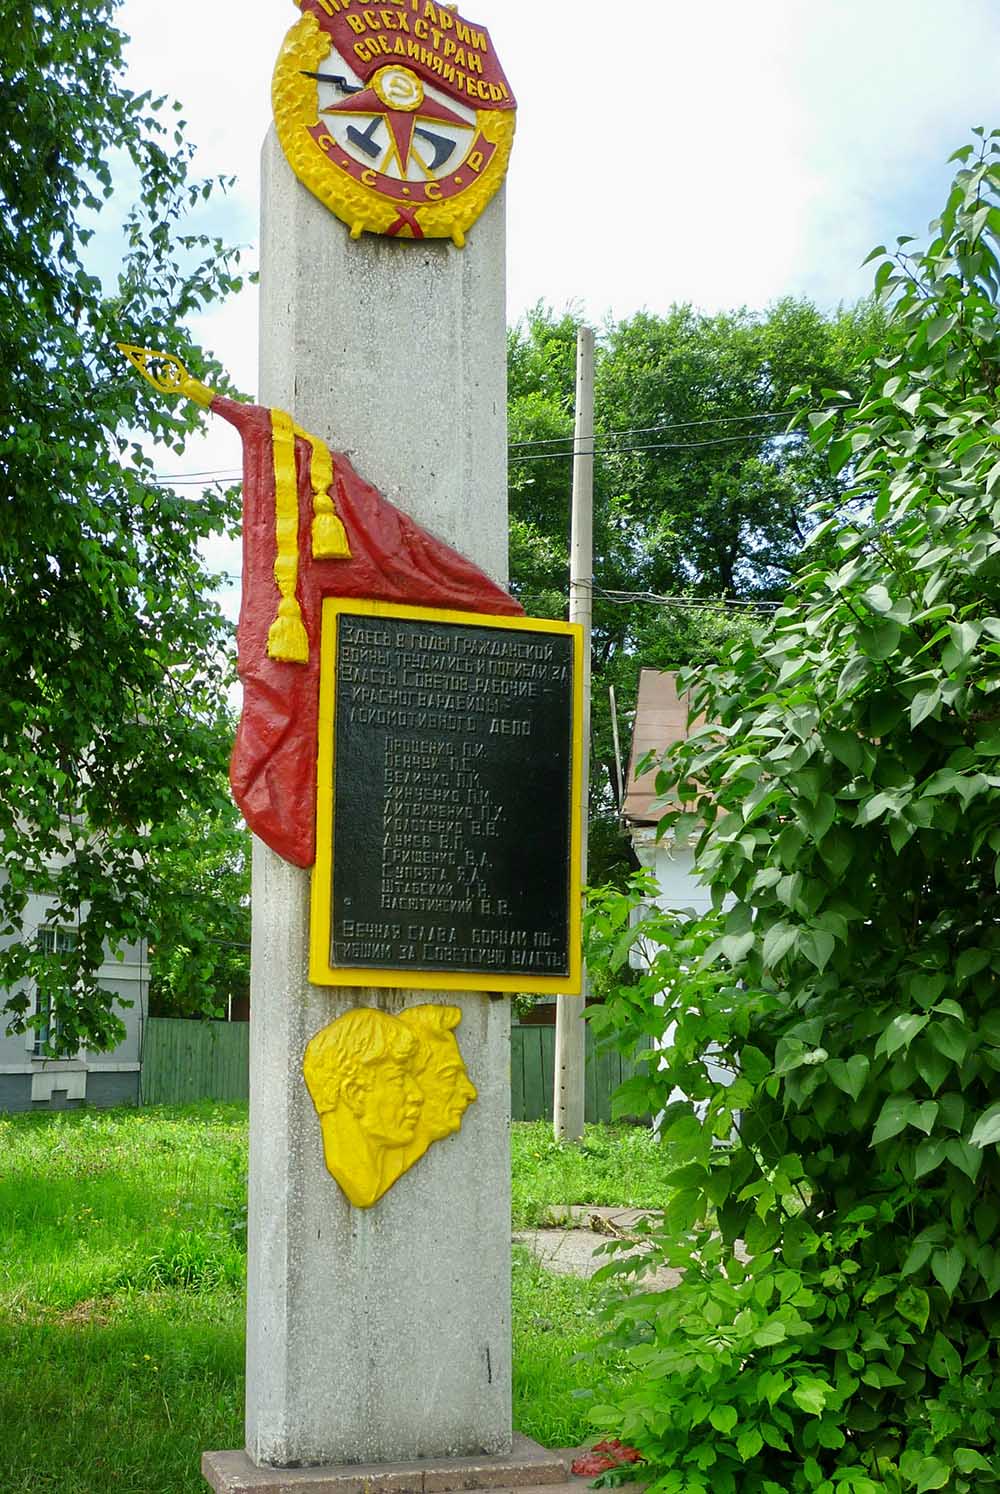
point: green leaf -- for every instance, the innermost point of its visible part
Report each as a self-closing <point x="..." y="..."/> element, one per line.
<point x="926" y="989"/>
<point x="938" y="327"/>
<point x="811" y="1395"/>
<point x="986" y="1131"/>
<point x="881" y="640"/>
<point x="933" y="1474"/>
<point x="772" y="1384"/>
<point x="875" y="807"/>
<point x="970" y="962"/>
<point x="965" y="1156"/>
<point x="772" y="1332"/>
<point x="896" y="1113"/>
<point x="846" y="748"/>
<point x="749" y="1444"/>
<point x="949" y="1040"/>
<point x="932" y="1066"/>
<point x="877" y="597"/>
<point x="818" y="817"/>
<point x="913" y="1304"/>
<point x="947" y="1267"/>
<point x="943" y="1359"/>
<point x="604" y="1416"/>
<point x="967" y="1460"/>
<point x="929" y="1154"/>
<point x="838" y="453"/>
<point x="900" y="1033"/>
<point x="849" y="1075"/>
<point x="917" y="1257"/>
<point x="880" y="1376"/>
<point x="964" y="637"/>
<point x="736" y="946"/>
<point x="723" y="1418"/>
<point x="817" y="946"/>
<point x="778" y="940"/>
<point x="925" y="703"/>
<point x="754" y="1064"/>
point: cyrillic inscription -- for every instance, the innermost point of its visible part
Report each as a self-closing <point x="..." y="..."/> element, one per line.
<point x="451" y="825"/>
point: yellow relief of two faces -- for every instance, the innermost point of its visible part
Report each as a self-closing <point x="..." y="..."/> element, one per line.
<point x="384" y="1089"/>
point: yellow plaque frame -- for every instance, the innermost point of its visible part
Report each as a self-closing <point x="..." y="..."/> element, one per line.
<point x="321" y="972"/>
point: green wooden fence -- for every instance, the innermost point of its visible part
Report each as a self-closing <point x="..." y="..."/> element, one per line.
<point x="532" y="1056"/>
<point x="186" y="1060"/>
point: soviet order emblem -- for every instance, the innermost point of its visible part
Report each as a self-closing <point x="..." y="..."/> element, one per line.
<point x="397" y="116"/>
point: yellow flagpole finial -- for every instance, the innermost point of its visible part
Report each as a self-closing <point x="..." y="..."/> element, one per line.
<point x="166" y="373"/>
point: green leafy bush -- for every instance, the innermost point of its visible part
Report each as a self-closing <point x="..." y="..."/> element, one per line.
<point x="836" y="1022"/>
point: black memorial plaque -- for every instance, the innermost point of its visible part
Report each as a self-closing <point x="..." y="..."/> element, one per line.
<point x="452" y="797"/>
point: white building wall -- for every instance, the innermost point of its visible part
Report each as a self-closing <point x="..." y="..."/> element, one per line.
<point x="680" y="891"/>
<point x="29" y="1082"/>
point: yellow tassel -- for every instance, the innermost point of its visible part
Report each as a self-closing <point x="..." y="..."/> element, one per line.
<point x="286" y="637"/>
<point x="329" y="537"/>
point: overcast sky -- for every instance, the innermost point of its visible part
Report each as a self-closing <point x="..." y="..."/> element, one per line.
<point x="723" y="154"/>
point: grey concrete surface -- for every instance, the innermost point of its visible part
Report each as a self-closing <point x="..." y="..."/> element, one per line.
<point x="378" y="1335"/>
<point x="528" y="1465"/>
<point x="581" y="1252"/>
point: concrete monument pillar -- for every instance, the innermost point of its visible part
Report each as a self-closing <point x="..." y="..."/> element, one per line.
<point x="383" y="1334"/>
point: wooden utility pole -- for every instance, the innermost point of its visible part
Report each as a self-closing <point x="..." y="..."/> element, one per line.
<point x="570" y="1060"/>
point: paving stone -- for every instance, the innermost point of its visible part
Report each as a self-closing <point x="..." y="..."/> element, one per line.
<point x="577" y="1216"/>
<point x="571" y="1252"/>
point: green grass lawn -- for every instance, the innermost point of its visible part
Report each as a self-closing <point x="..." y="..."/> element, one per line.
<point x="121" y="1298"/>
<point x="121" y="1291"/>
<point x="621" y="1166"/>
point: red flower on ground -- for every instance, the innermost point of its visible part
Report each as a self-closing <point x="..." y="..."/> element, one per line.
<point x="605" y="1455"/>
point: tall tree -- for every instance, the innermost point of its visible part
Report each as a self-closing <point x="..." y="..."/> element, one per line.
<point x="115" y="661"/>
<point x="700" y="489"/>
<point x="199" y="961"/>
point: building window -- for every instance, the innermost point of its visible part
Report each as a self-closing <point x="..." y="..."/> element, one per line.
<point x="50" y="940"/>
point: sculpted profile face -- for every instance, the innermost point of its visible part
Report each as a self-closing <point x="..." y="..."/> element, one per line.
<point x="359" y="1071"/>
<point x="448" y="1091"/>
<point x="385" y="1088"/>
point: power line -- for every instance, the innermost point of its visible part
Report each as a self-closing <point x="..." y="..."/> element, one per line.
<point x="183" y="476"/>
<point x="645" y="430"/>
<point x="223" y="474"/>
<point x="547" y="456"/>
<point x="543" y="456"/>
<point x="679" y="425"/>
<point x="623" y="598"/>
<point x="711" y="604"/>
<point x="192" y="480"/>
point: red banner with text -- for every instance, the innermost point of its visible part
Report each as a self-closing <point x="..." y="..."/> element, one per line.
<point x="452" y="54"/>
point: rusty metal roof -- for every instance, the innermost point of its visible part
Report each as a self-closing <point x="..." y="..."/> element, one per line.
<point x="661" y="717"/>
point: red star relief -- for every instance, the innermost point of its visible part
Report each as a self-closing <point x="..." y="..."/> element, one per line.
<point x="401" y="122"/>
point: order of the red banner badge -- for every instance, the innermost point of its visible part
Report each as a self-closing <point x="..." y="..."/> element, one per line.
<point x="397" y="117"/>
<point x="312" y="528"/>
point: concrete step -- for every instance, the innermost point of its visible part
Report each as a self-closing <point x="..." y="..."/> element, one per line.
<point x="527" y="1466"/>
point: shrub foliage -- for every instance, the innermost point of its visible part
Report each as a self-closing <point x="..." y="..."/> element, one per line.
<point x="835" y="1022"/>
<point x="113" y="729"/>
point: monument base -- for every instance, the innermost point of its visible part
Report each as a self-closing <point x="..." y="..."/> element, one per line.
<point x="527" y="1465"/>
